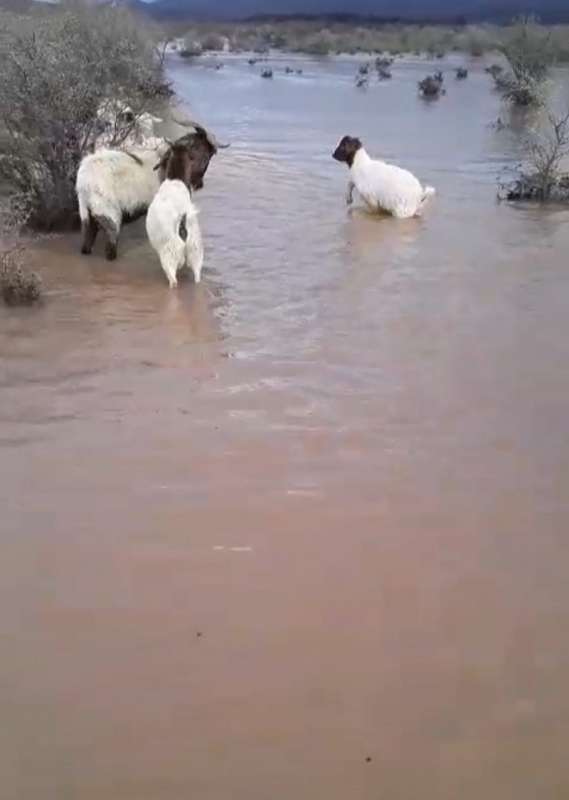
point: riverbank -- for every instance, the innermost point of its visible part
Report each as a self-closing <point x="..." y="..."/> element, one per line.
<point x="310" y="37"/>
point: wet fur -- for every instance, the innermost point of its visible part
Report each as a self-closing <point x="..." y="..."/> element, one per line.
<point x="116" y="187"/>
<point x="171" y="223"/>
<point x="200" y="151"/>
<point x="382" y="186"/>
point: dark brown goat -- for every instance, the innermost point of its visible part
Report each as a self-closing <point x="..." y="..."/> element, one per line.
<point x="178" y="164"/>
<point x="200" y="146"/>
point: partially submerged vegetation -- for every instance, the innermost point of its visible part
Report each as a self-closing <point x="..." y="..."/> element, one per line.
<point x="57" y="66"/>
<point x="529" y="53"/>
<point x="431" y="86"/>
<point x="544" y="176"/>
<point x="18" y="285"/>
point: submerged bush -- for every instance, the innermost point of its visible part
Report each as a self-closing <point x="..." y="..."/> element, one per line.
<point x="542" y="178"/>
<point x="191" y="49"/>
<point x="383" y="62"/>
<point x="495" y="70"/>
<point x="213" y="42"/>
<point x="56" y="68"/>
<point x="18" y="287"/>
<point x="527" y="49"/>
<point x="431" y="86"/>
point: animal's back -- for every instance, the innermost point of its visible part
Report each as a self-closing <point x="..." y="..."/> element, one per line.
<point x="127" y="180"/>
<point x="169" y="207"/>
<point x="391" y="188"/>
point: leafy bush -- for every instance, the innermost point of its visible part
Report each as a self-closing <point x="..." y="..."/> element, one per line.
<point x="18" y="287"/>
<point x="430" y="86"/>
<point x="527" y="48"/>
<point x="56" y="68"/>
<point x="321" y="44"/>
<point x="542" y="178"/>
<point x="192" y="47"/>
<point x="212" y="41"/>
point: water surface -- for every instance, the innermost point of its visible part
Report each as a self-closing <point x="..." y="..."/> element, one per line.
<point x="299" y="532"/>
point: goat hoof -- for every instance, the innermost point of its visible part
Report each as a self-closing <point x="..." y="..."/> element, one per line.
<point x="111" y="252"/>
<point x="85" y="251"/>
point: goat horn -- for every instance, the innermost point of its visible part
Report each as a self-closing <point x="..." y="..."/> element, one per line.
<point x="215" y="142"/>
<point x="185" y="123"/>
<point x="210" y="136"/>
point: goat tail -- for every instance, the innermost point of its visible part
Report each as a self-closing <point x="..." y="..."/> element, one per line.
<point x="428" y="191"/>
<point x="186" y="217"/>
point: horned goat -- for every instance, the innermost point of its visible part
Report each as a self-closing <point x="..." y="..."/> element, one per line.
<point x="115" y="186"/>
<point x="382" y="186"/>
<point x="171" y="223"/>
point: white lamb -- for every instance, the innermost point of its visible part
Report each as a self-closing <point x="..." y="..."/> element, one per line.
<point x="172" y="220"/>
<point x="383" y="187"/>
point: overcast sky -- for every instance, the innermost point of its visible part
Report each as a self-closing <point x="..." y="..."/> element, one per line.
<point x="392" y="7"/>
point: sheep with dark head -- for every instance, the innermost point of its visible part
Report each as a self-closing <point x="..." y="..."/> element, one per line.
<point x="171" y="223"/>
<point x="382" y="186"/>
<point x="201" y="146"/>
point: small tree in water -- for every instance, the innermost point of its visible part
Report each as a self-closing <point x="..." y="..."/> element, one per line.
<point x="542" y="178"/>
<point x="56" y="68"/>
<point x="18" y="286"/>
<point x="320" y="44"/>
<point x="529" y="53"/>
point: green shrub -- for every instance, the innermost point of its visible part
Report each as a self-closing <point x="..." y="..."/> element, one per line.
<point x="56" y="69"/>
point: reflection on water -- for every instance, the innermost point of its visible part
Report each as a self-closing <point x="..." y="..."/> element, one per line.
<point x="299" y="531"/>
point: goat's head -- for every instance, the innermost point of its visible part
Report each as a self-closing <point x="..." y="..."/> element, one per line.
<point x="200" y="131"/>
<point x="181" y="162"/>
<point x="347" y="149"/>
<point x="176" y="164"/>
<point x="201" y="146"/>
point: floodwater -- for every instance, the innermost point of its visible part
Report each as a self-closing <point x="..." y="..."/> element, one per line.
<point x="301" y="532"/>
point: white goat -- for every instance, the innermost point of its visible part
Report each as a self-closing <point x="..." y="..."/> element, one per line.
<point x="113" y="186"/>
<point x="382" y="186"/>
<point x="172" y="224"/>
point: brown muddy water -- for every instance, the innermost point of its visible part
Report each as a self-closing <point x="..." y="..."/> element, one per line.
<point x="301" y="532"/>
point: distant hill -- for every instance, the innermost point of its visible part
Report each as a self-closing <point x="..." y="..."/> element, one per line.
<point x="499" y="11"/>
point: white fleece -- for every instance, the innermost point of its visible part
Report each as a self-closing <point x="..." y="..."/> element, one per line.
<point x="171" y="207"/>
<point x="386" y="187"/>
<point x="111" y="183"/>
